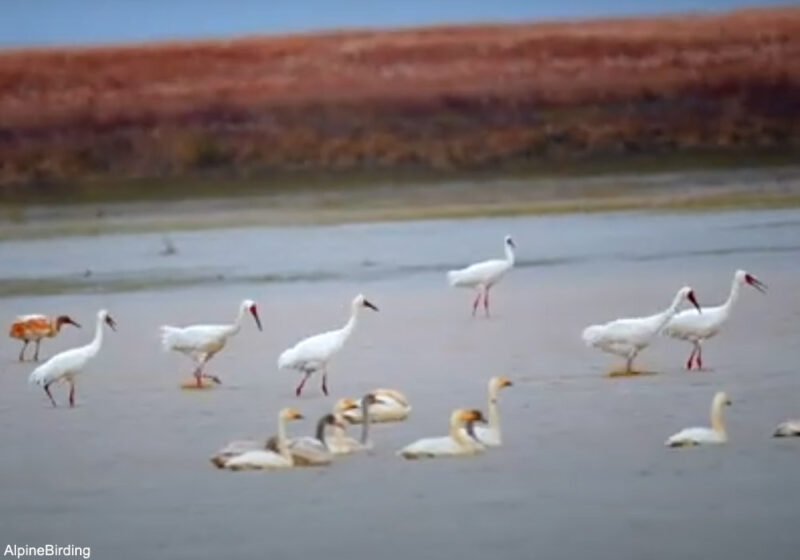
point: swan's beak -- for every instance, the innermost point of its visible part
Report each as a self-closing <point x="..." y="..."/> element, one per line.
<point x="691" y="298"/>
<point x="756" y="283"/>
<point x="729" y="403"/>
<point x="111" y="323"/>
<point x="507" y="383"/>
<point x="254" y="313"/>
<point x="370" y="305"/>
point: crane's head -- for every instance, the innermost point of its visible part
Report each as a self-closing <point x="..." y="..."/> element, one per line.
<point x="361" y="301"/>
<point x="688" y="294"/>
<point x="510" y="242"/>
<point x="66" y="320"/>
<point x="250" y="306"/>
<point x="104" y="316"/>
<point x="745" y="277"/>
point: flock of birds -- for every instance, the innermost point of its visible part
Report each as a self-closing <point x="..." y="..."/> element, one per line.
<point x="625" y="338"/>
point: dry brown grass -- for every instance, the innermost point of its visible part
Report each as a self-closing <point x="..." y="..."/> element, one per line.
<point x="445" y="97"/>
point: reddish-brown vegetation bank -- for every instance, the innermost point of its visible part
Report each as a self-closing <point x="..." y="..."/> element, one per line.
<point x="442" y="98"/>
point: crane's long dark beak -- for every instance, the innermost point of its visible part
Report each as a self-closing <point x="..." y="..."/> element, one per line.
<point x="757" y="284"/>
<point x="75" y="323"/>
<point x="254" y="313"/>
<point x="691" y="298"/>
<point x="370" y="305"/>
<point x="111" y="323"/>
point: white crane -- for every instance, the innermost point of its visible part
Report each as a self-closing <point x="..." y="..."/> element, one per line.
<point x="696" y="327"/>
<point x="483" y="275"/>
<point x="68" y="364"/>
<point x="202" y="342"/>
<point x="628" y="337"/>
<point x="313" y="353"/>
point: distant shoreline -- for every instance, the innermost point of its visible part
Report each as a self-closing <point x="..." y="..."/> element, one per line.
<point x="675" y="190"/>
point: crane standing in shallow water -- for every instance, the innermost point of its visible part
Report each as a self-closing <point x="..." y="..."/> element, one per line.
<point x="313" y="353"/>
<point x="69" y="363"/>
<point x="695" y="326"/>
<point x="29" y="328"/>
<point x="202" y="342"/>
<point x="483" y="275"/>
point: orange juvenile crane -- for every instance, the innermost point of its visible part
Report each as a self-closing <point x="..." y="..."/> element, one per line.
<point x="37" y="327"/>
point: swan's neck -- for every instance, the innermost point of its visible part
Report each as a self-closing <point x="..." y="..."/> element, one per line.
<point x="320" y="435"/>
<point x="283" y="448"/>
<point x="716" y="418"/>
<point x="494" y="414"/>
<point x="510" y="254"/>
<point x="458" y="435"/>
<point x="94" y="346"/>
<point x="365" y="420"/>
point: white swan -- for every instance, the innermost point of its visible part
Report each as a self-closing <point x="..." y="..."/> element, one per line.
<point x="313" y="353"/>
<point x="483" y="275"/>
<point x="266" y="459"/>
<point x="697" y="436"/>
<point x="390" y="406"/>
<point x="342" y="444"/>
<point x="790" y="428"/>
<point x="457" y="444"/>
<point x="695" y="327"/>
<point x="490" y="435"/>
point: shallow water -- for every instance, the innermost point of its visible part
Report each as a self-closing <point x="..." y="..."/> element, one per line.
<point x="583" y="471"/>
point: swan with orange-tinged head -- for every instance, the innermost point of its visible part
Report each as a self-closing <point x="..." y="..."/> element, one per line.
<point x="490" y="435"/>
<point x="458" y="443"/>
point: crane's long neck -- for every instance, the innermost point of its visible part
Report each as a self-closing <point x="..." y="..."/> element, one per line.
<point x="365" y="421"/>
<point x="716" y="417"/>
<point x="237" y="324"/>
<point x="494" y="414"/>
<point x="94" y="346"/>
<point x="350" y="326"/>
<point x="665" y="316"/>
<point x="283" y="448"/>
<point x="732" y="297"/>
<point x="457" y="434"/>
<point x="510" y="255"/>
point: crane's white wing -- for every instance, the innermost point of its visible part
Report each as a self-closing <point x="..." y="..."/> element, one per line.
<point x="486" y="272"/>
<point x="68" y="362"/>
<point x="192" y="338"/>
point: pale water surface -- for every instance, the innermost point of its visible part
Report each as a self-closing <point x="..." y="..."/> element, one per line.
<point x="583" y="473"/>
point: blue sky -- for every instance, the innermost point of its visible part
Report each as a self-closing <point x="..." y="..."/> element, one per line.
<point x="49" y="22"/>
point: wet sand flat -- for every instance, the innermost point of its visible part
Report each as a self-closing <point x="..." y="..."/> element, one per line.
<point x="583" y="472"/>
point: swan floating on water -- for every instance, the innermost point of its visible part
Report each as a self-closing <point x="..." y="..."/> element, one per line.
<point x="314" y="451"/>
<point x="698" y="436"/>
<point x="698" y="326"/>
<point x="790" y="428"/>
<point x="342" y="444"/>
<point x="490" y="435"/>
<point x="390" y="405"/>
<point x="458" y="443"/>
<point x="256" y="459"/>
